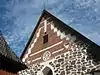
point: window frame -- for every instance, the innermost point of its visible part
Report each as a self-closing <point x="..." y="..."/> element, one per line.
<point x="45" y="38"/>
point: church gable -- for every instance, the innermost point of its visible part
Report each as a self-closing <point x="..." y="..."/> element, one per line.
<point x="53" y="36"/>
<point x="60" y="47"/>
<point x="45" y="38"/>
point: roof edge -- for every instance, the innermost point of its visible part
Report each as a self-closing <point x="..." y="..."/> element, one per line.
<point x="32" y="34"/>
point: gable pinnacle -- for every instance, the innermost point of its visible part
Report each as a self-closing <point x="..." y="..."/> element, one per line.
<point x="44" y="4"/>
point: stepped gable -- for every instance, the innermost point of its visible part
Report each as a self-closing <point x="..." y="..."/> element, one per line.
<point x="93" y="49"/>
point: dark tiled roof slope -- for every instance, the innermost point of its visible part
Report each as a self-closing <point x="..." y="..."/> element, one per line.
<point x="6" y="51"/>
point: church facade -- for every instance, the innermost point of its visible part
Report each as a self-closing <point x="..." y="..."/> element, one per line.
<point x="54" y="48"/>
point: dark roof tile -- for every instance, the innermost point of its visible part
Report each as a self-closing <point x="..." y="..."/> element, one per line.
<point x="6" y="51"/>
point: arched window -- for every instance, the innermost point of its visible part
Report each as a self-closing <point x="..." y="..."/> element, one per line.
<point x="47" y="71"/>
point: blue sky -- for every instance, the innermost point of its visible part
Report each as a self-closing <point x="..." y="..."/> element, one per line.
<point x="19" y="17"/>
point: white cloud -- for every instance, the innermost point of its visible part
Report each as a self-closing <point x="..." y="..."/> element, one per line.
<point x="25" y="15"/>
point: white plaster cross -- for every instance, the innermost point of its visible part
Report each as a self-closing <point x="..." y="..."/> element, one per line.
<point x="45" y="26"/>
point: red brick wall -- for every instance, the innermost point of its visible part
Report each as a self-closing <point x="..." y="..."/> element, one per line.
<point x="6" y="73"/>
<point x="52" y="39"/>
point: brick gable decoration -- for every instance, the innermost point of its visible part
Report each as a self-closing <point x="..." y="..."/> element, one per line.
<point x="54" y="48"/>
